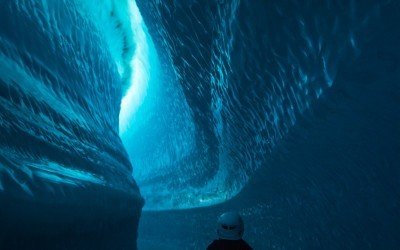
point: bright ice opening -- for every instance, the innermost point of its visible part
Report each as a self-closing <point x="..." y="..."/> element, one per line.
<point x="141" y="67"/>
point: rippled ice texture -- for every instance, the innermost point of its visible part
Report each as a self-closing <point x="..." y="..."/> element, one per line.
<point x="61" y="158"/>
<point x="295" y="101"/>
<point x="248" y="70"/>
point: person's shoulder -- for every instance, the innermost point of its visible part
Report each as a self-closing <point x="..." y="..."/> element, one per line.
<point x="246" y="245"/>
<point x="213" y="245"/>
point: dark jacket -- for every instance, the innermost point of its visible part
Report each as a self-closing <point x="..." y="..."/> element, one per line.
<point x="229" y="245"/>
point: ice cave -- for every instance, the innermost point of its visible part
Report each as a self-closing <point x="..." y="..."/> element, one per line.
<point x="134" y="124"/>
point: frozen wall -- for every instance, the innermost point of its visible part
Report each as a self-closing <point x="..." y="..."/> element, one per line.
<point x="287" y="111"/>
<point x="243" y="74"/>
<point x="65" y="178"/>
<point x="296" y="104"/>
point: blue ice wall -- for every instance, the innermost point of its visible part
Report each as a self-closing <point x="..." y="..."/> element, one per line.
<point x="248" y="72"/>
<point x="296" y="105"/>
<point x="287" y="111"/>
<point x="156" y="125"/>
<point x="65" y="178"/>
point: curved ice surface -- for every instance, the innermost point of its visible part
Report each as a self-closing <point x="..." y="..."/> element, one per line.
<point x="242" y="74"/>
<point x="220" y="90"/>
<point x="63" y="71"/>
<point x="307" y="92"/>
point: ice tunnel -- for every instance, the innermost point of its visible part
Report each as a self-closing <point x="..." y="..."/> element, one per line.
<point x="134" y="124"/>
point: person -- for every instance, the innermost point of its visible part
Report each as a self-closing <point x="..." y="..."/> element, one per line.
<point x="230" y="230"/>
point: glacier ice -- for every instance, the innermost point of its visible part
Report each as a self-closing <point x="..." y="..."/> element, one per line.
<point x="295" y="107"/>
<point x="61" y="157"/>
<point x="286" y="111"/>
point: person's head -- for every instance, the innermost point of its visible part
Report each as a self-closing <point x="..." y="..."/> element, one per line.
<point x="230" y="226"/>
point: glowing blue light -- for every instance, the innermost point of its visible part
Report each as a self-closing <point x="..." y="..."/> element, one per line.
<point x="141" y="66"/>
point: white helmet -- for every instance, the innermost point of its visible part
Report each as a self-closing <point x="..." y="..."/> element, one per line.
<point x="230" y="226"/>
